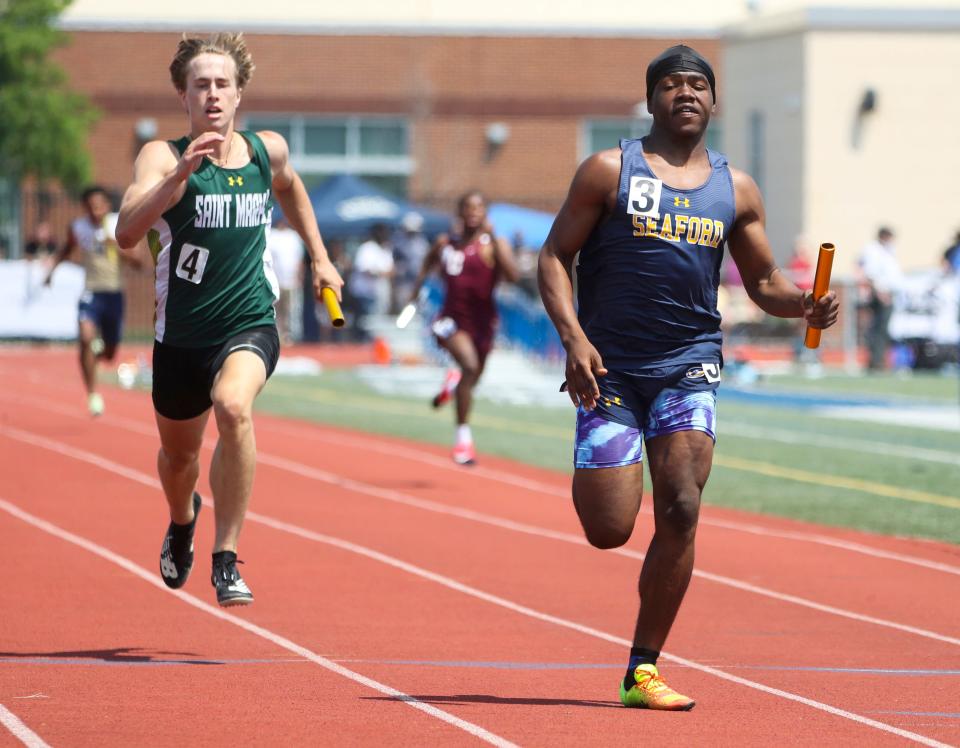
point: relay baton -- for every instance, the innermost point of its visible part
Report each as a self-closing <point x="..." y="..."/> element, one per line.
<point x="333" y="306"/>
<point x="410" y="310"/>
<point x="821" y="284"/>
<point x="403" y="319"/>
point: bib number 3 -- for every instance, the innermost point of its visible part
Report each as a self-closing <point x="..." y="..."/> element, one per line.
<point x="193" y="261"/>
<point x="644" y="197"/>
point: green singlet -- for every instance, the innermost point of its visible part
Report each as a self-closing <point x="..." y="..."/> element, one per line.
<point x="213" y="278"/>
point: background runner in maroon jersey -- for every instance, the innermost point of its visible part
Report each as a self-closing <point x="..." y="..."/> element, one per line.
<point x="470" y="266"/>
<point x="471" y="273"/>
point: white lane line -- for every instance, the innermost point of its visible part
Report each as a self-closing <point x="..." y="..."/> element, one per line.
<point x="397" y="497"/>
<point x="845" y="545"/>
<point x="19" y="730"/>
<point x="280" y="641"/>
<point x="500" y="476"/>
<point x="449" y="583"/>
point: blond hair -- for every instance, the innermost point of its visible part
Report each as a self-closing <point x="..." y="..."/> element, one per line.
<point x="231" y="45"/>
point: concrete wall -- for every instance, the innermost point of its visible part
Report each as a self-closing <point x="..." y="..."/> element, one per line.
<point x="897" y="165"/>
<point x="496" y="16"/>
<point x="766" y="75"/>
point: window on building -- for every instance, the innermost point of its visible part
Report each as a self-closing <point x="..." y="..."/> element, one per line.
<point x="377" y="149"/>
<point x="600" y="134"/>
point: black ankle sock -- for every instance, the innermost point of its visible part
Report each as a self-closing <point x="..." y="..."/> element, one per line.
<point x="638" y="656"/>
<point x="179" y="529"/>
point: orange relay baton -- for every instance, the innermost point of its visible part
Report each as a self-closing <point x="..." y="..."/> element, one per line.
<point x="332" y="305"/>
<point x="821" y="284"/>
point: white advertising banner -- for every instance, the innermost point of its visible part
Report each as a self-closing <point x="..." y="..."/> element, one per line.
<point x="927" y="307"/>
<point x="28" y="309"/>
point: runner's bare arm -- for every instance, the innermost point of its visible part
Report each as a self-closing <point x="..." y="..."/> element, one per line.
<point x="134" y="255"/>
<point x="297" y="209"/>
<point x="764" y="282"/>
<point x="593" y="189"/>
<point x="430" y="263"/>
<point x="159" y="181"/>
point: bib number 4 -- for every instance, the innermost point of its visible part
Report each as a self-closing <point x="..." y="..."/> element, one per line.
<point x="193" y="261"/>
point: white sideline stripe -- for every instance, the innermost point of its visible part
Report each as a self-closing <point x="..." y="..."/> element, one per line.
<point x="851" y="445"/>
<point x="19" y="730"/>
<point x="545" y="488"/>
<point x="439" y="508"/>
<point x="450" y="584"/>
<point x="526" y="483"/>
<point x="280" y="641"/>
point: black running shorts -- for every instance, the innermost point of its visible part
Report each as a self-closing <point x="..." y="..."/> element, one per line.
<point x="183" y="377"/>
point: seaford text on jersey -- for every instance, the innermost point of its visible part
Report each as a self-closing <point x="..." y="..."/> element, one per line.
<point x="705" y="232"/>
<point x="249" y="209"/>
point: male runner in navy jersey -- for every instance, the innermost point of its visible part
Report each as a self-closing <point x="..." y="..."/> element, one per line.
<point x="651" y="220"/>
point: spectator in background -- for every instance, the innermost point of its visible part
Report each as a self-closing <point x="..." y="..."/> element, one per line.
<point x="340" y="258"/>
<point x="41" y="244"/>
<point x="881" y="275"/>
<point x="287" y="253"/>
<point x="372" y="276"/>
<point x="409" y="249"/>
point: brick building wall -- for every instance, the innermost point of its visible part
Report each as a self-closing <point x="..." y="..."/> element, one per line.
<point x="449" y="88"/>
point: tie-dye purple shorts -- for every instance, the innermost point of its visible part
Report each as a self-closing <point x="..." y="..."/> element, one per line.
<point x="603" y="442"/>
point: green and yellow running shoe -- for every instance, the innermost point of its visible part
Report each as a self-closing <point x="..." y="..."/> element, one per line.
<point x="651" y="692"/>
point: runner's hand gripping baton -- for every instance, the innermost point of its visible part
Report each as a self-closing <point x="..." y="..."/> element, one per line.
<point x="333" y="306"/>
<point x="821" y="284"/>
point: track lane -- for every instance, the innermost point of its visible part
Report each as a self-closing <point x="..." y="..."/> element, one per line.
<point x="601" y="555"/>
<point x="445" y="550"/>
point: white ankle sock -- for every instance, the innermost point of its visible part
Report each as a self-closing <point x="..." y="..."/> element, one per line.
<point x="463" y="434"/>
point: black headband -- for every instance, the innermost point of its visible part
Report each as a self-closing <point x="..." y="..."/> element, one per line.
<point x="674" y="59"/>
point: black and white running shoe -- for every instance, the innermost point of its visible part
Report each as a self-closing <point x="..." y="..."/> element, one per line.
<point x="230" y="587"/>
<point x="176" y="556"/>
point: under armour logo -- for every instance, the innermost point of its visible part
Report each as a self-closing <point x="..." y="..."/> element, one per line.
<point x="235" y="181"/>
<point x="681" y="201"/>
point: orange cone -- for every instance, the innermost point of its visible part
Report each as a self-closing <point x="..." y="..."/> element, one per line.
<point x="381" y="351"/>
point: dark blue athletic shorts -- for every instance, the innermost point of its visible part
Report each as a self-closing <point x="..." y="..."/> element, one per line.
<point x="105" y="310"/>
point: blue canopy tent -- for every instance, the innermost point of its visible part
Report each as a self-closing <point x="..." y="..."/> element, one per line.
<point x="348" y="207"/>
<point x="509" y="220"/>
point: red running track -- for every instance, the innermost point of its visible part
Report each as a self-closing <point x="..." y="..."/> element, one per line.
<point x="401" y="598"/>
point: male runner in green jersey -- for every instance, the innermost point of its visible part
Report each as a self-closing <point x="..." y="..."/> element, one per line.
<point x="203" y="202"/>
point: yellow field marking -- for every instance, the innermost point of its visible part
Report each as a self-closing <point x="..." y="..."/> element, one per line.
<point x="836" y="481"/>
<point x="322" y="395"/>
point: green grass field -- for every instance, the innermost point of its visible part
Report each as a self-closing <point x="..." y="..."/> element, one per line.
<point x="892" y="479"/>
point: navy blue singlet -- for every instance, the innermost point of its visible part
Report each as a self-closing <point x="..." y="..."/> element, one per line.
<point x="648" y="275"/>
